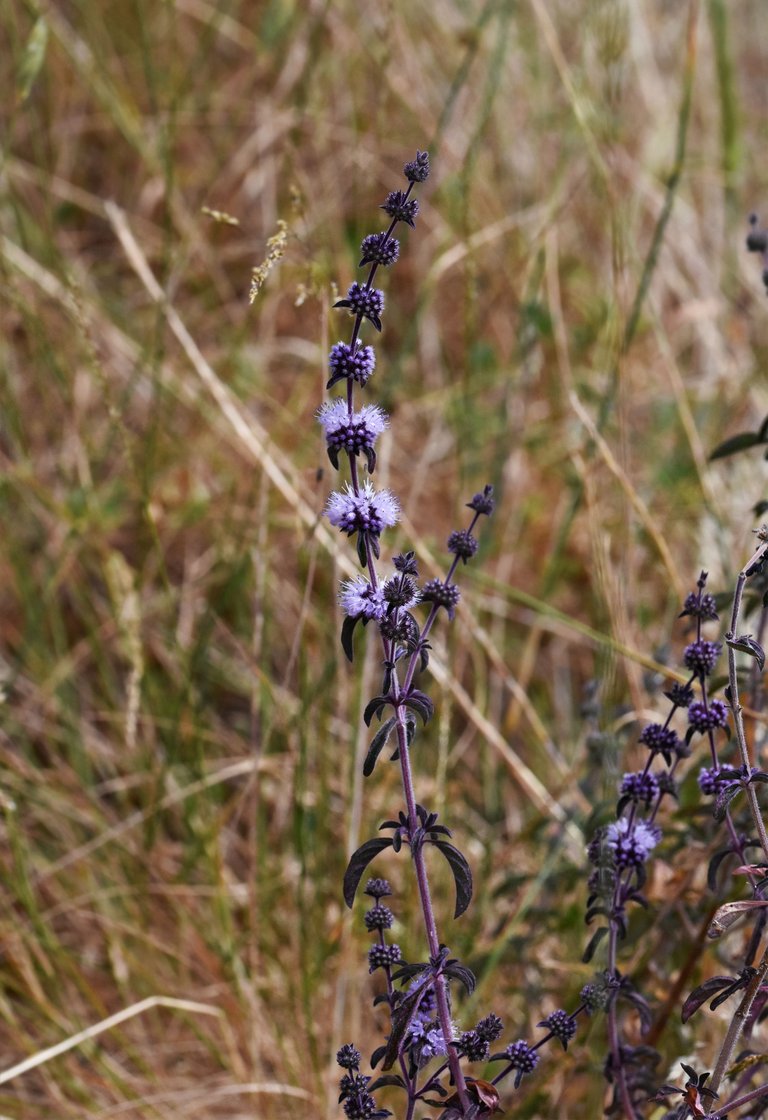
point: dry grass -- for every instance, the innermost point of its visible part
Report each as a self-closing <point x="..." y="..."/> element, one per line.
<point x="181" y="753"/>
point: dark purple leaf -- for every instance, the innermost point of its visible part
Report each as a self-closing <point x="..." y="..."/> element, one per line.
<point x="632" y="996"/>
<point x="462" y="875"/>
<point x="441" y="828"/>
<point x="386" y="1079"/>
<point x="347" y="630"/>
<point x="724" y="798"/>
<point x="401" y="1021"/>
<point x="701" y="994"/>
<point x="740" y="442"/>
<point x="420" y="703"/>
<point x="408" y="971"/>
<point x="374" y="708"/>
<point x="745" y="643"/>
<point x="594" y="941"/>
<point x="464" y="975"/>
<point x="377" y="1055"/>
<point x="358" y="863"/>
<point x="714" y="867"/>
<point x="377" y="745"/>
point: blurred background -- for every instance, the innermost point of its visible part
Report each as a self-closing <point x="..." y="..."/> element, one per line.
<point x="575" y="320"/>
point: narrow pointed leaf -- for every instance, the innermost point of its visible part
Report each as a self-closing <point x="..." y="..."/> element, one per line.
<point x="386" y="1079"/>
<point x="464" y="975"/>
<point x="740" y="442"/>
<point x="724" y="798"/>
<point x="377" y="1055"/>
<point x="714" y="867"/>
<point x="374" y="708"/>
<point x="462" y="875"/>
<point x="745" y="643"/>
<point x="377" y="745"/>
<point x="594" y="941"/>
<point x="347" y="630"/>
<point x="729" y="913"/>
<point x="420" y="703"/>
<point x="358" y="863"/>
<point x="401" y="1021"/>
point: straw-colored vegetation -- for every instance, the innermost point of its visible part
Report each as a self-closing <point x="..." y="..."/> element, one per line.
<point x="574" y="320"/>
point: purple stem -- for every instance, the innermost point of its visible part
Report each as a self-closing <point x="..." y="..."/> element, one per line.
<point x="738" y="1102"/>
<point x="441" y="988"/>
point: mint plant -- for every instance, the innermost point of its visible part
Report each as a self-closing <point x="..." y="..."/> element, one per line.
<point x="424" y="1053"/>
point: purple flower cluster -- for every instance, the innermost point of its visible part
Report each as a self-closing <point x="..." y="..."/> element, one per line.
<point x="620" y="850"/>
<point x="522" y="1058"/>
<point x="353" y="363"/>
<point x="353" y="433"/>
<point x="561" y="1025"/>
<point x="378" y="248"/>
<point x="641" y="787"/>
<point x="631" y="841"/>
<point x="365" y="510"/>
<point x="701" y="656"/>
<point x="425" y="1040"/>
<point x="661" y="739"/>
<point x="359" y="1104"/>
<point x="703" y="716"/>
<point x="713" y="779"/>
<point x="383" y="956"/>
<point x="401" y="208"/>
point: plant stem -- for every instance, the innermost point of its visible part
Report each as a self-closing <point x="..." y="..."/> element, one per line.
<point x="613" y="1035"/>
<point x="737" y="1024"/>
<point x="748" y="1098"/>
<point x="441" y="988"/>
<point x="753" y="566"/>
